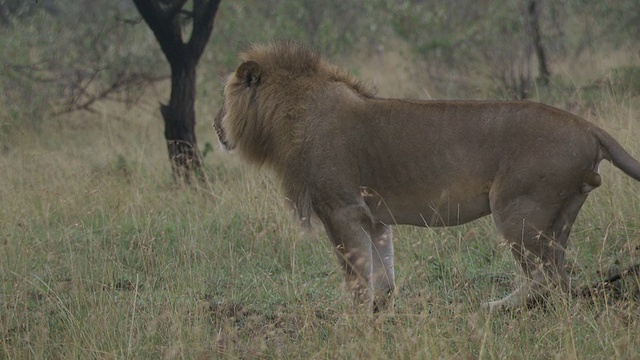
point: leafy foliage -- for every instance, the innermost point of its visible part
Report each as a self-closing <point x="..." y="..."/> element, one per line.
<point x="52" y="67"/>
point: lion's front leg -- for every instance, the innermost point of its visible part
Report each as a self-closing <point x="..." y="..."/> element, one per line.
<point x="383" y="273"/>
<point x="349" y="229"/>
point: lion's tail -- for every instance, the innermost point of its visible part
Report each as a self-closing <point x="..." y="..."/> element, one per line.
<point x="617" y="155"/>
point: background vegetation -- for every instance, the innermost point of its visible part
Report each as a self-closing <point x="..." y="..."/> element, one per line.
<point x="102" y="256"/>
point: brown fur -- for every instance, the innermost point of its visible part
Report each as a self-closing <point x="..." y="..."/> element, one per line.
<point x="362" y="163"/>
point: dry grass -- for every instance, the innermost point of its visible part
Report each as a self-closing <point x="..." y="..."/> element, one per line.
<point x="101" y="257"/>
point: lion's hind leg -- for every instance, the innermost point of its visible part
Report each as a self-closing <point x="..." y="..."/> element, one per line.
<point x="537" y="233"/>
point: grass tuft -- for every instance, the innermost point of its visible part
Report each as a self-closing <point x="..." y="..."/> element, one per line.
<point x="102" y="257"/>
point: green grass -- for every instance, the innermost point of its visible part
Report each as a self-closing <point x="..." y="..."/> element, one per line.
<point x="102" y="257"/>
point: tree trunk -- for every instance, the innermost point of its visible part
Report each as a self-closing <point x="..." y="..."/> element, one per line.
<point x="165" y="19"/>
<point x="179" y="123"/>
<point x="534" y="27"/>
<point x="5" y="18"/>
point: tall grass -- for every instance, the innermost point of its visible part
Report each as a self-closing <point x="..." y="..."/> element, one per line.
<point x="102" y="257"/>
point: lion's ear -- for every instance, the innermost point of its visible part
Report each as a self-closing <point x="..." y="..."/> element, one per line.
<point x="249" y="73"/>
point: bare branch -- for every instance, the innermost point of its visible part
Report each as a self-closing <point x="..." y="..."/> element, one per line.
<point x="84" y="99"/>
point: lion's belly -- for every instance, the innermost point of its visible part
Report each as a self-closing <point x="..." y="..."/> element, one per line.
<point x="402" y="210"/>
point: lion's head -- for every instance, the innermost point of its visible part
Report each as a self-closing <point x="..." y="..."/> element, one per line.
<point x="263" y="98"/>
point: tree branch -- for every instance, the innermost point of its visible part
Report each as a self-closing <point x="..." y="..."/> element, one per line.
<point x="164" y="24"/>
<point x="172" y="7"/>
<point x="204" y="15"/>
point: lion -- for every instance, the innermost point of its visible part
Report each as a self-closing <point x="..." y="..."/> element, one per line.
<point x="360" y="164"/>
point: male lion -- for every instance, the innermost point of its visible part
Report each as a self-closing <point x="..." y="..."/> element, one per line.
<point x="362" y="163"/>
